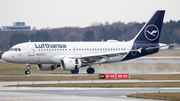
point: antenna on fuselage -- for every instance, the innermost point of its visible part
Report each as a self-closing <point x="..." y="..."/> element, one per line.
<point x="29" y="41"/>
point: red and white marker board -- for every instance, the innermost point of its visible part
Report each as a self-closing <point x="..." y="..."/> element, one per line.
<point x="122" y="76"/>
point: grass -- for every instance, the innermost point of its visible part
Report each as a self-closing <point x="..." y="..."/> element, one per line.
<point x="7" y="68"/>
<point x="107" y="85"/>
<point x="49" y="78"/>
<point x="90" y="77"/>
<point x="15" y="69"/>
<point x="158" y="96"/>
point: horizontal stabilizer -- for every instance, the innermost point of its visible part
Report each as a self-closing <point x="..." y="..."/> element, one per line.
<point x="166" y="45"/>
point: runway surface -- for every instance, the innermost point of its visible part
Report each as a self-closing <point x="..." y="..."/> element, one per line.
<point x="85" y="74"/>
<point x="74" y="93"/>
<point x="156" y="60"/>
<point x="1" y="60"/>
<point x="88" y="94"/>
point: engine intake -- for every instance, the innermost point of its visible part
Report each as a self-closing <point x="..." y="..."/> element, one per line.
<point x="70" y="64"/>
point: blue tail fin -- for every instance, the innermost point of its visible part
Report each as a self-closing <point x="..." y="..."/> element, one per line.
<point x="150" y="32"/>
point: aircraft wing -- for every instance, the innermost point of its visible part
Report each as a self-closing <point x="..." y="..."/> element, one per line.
<point x="90" y="58"/>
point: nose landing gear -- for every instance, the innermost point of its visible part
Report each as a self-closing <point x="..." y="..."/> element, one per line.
<point x="27" y="72"/>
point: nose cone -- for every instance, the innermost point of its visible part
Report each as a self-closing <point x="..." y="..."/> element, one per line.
<point x="5" y="57"/>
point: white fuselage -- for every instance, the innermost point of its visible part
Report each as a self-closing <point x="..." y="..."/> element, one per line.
<point x="52" y="52"/>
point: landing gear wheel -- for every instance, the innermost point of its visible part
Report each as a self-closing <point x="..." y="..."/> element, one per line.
<point x="74" y="71"/>
<point x="27" y="72"/>
<point x="90" y="70"/>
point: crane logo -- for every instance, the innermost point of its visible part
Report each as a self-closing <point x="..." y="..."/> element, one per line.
<point x="151" y="32"/>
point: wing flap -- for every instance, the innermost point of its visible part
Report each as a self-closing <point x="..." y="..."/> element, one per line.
<point x="99" y="56"/>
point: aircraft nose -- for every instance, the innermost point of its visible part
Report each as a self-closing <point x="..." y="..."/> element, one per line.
<point x="4" y="56"/>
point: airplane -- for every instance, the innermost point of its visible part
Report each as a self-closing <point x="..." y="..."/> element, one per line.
<point x="74" y="55"/>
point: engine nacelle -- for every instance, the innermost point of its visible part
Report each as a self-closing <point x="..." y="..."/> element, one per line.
<point x="46" y="67"/>
<point x="70" y="64"/>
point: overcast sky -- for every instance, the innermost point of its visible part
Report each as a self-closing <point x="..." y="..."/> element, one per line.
<point x="82" y="13"/>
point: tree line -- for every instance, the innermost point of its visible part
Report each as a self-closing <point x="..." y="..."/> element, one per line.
<point x="119" y="31"/>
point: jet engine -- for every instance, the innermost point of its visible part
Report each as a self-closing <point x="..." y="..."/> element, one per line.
<point x="46" y="67"/>
<point x="70" y="64"/>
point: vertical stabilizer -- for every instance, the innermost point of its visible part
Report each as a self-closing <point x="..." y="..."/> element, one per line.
<point x="150" y="32"/>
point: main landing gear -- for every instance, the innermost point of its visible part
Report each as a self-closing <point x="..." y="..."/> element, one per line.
<point x="27" y="72"/>
<point x="90" y="70"/>
<point x="76" y="71"/>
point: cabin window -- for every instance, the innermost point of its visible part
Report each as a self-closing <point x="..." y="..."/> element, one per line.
<point x="19" y="49"/>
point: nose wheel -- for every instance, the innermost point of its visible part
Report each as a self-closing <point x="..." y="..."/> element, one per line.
<point x="27" y="72"/>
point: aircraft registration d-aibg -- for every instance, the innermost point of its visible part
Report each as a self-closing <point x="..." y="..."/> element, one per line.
<point x="74" y="55"/>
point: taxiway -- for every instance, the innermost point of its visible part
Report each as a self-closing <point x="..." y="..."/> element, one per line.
<point x="76" y="93"/>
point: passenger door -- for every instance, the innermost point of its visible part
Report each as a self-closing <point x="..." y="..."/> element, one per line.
<point x="30" y="50"/>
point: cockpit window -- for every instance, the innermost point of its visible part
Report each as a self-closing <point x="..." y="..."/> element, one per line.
<point x="15" y="49"/>
<point x="12" y="49"/>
